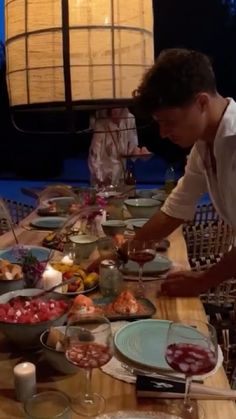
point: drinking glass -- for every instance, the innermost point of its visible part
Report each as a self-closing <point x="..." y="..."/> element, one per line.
<point x="141" y="252"/>
<point x="89" y="345"/>
<point x="48" y="405"/>
<point x="191" y="350"/>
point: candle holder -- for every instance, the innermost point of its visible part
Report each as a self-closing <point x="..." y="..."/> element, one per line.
<point x="49" y="404"/>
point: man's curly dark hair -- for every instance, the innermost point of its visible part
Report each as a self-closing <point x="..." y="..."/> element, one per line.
<point x="174" y="80"/>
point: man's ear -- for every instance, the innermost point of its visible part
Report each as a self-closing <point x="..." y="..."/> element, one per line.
<point x="202" y="101"/>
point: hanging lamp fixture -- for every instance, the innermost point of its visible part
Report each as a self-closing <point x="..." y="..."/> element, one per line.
<point x="76" y="53"/>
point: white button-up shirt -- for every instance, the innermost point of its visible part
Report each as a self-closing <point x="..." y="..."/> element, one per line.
<point x="199" y="176"/>
<point x="109" y="143"/>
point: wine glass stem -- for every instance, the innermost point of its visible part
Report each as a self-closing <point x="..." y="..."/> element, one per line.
<point x="187" y="403"/>
<point x="140" y="279"/>
<point x="88" y="395"/>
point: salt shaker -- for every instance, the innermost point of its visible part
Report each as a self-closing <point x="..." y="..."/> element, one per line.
<point x="110" y="278"/>
<point x="25" y="380"/>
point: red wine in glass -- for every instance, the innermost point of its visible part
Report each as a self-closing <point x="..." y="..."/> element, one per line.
<point x="191" y="349"/>
<point x="89" y="355"/>
<point x="142" y="256"/>
<point x="190" y="359"/>
<point x="141" y="252"/>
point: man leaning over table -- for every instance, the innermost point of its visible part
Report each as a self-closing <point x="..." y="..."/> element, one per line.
<point x="180" y="93"/>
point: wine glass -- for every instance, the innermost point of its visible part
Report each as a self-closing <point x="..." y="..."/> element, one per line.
<point x="141" y="251"/>
<point x="191" y="350"/>
<point x="89" y="345"/>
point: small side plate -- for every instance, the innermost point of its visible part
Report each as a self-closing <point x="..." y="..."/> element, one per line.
<point x="48" y="223"/>
<point x="149" y="309"/>
<point x="74" y="294"/>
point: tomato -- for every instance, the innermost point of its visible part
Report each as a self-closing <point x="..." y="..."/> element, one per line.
<point x="67" y="275"/>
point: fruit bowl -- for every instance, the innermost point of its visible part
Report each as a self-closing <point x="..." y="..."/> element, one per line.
<point x="55" y="358"/>
<point x="84" y="282"/>
<point x="26" y="335"/>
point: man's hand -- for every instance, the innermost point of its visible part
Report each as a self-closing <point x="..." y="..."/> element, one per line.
<point x="184" y="284"/>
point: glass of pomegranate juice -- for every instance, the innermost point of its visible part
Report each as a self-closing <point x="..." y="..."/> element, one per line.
<point x="191" y="349"/>
<point x="89" y="344"/>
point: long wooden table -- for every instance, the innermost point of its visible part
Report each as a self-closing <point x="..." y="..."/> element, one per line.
<point x="119" y="395"/>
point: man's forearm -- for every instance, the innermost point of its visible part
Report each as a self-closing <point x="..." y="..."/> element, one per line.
<point x="222" y="271"/>
<point x="158" y="227"/>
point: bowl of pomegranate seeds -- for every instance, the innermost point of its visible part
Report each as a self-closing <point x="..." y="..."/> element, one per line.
<point x="23" y="316"/>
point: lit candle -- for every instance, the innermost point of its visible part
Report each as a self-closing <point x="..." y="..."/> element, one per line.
<point x="25" y="380"/>
<point x="67" y="260"/>
<point x="51" y="277"/>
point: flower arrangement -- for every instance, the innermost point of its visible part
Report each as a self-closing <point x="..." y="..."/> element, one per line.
<point x="32" y="268"/>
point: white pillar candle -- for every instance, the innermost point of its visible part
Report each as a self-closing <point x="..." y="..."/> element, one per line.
<point x="67" y="260"/>
<point x="25" y="380"/>
<point x="51" y="277"/>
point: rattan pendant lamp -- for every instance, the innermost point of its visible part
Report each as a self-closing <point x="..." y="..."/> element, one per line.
<point x="76" y="53"/>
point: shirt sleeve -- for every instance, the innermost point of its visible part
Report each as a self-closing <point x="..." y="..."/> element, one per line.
<point x="95" y="160"/>
<point x="182" y="201"/>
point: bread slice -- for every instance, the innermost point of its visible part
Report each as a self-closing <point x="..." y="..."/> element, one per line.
<point x="55" y="336"/>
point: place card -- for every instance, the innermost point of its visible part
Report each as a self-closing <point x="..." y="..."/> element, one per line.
<point x="160" y="387"/>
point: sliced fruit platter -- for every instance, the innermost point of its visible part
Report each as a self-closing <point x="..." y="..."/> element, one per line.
<point x="84" y="283"/>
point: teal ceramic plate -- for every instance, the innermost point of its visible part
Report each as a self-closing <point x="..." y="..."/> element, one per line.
<point x="48" y="223"/>
<point x="12" y="253"/>
<point x="148" y="309"/>
<point x="159" y="265"/>
<point x="144" y="342"/>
